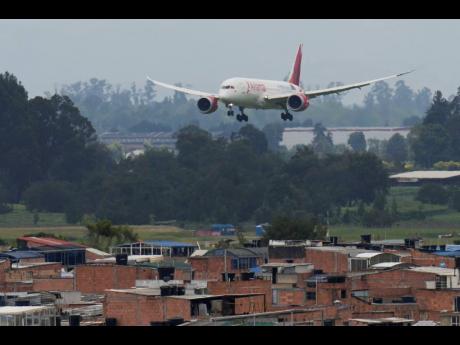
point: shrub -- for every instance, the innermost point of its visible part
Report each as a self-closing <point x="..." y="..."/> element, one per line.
<point x="433" y="194"/>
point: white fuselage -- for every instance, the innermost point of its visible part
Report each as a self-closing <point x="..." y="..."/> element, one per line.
<point x="250" y="93"/>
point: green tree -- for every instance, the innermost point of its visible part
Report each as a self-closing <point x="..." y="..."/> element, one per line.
<point x="255" y="137"/>
<point x="396" y="149"/>
<point x="298" y="228"/>
<point x="357" y="141"/>
<point x="322" y="142"/>
<point x="433" y="194"/>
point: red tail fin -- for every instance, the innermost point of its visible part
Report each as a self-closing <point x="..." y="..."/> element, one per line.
<point x="294" y="77"/>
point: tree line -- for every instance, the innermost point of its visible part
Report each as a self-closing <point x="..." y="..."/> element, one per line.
<point x="138" y="109"/>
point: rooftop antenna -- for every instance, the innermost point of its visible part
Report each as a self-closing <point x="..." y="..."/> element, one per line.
<point x="198" y="244"/>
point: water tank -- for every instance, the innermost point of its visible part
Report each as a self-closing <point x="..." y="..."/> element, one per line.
<point x="121" y="259"/>
<point x="74" y="320"/>
<point x="111" y="321"/>
<point x="333" y="240"/>
<point x="366" y="238"/>
<point x="165" y="290"/>
<point x="175" y="321"/>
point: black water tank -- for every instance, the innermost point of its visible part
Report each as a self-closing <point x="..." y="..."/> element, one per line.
<point x="247" y="276"/>
<point x="165" y="290"/>
<point x="181" y="290"/>
<point x="175" y="321"/>
<point x="158" y="323"/>
<point x="409" y="243"/>
<point x="111" y="321"/>
<point x="21" y="303"/>
<point x="74" y="320"/>
<point x="228" y="276"/>
<point x="366" y="238"/>
<point x="121" y="259"/>
<point x="173" y="290"/>
<point x="457" y="262"/>
<point x="333" y="240"/>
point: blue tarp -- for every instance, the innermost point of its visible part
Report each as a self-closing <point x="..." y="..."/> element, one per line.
<point x="447" y="253"/>
<point x="170" y="244"/>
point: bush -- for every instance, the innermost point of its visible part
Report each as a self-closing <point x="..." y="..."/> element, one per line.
<point x="49" y="196"/>
<point x="455" y="200"/>
<point x="433" y="194"/>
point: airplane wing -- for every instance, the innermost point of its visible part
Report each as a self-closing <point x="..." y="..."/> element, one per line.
<point x="183" y="89"/>
<point x="337" y="89"/>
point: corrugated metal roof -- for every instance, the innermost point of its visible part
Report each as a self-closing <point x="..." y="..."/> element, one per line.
<point x="433" y="174"/>
<point x="49" y="241"/>
<point x="22" y="254"/>
<point x="170" y="244"/>
<point x="447" y="253"/>
<point x="22" y="309"/>
<point x="433" y="269"/>
<point x="367" y="255"/>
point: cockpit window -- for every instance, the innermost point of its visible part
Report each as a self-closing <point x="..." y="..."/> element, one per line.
<point x="227" y="87"/>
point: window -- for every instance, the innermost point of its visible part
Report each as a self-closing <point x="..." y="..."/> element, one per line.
<point x="441" y="282"/>
<point x="455" y="320"/>
<point x="275" y="297"/>
<point x="457" y="304"/>
<point x="343" y="293"/>
<point x="311" y="295"/>
<point x="234" y="264"/>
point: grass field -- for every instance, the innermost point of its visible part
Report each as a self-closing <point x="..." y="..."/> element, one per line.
<point x="439" y="219"/>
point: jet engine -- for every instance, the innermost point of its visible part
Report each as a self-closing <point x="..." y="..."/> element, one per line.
<point x="207" y="104"/>
<point x="297" y="102"/>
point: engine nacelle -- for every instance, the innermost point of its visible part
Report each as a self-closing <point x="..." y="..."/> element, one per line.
<point x="297" y="102"/>
<point x="207" y="104"/>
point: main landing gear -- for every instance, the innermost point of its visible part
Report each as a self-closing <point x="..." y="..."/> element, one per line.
<point x="286" y="116"/>
<point x="242" y="116"/>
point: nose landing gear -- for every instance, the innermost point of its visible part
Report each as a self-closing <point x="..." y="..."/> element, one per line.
<point x="230" y="110"/>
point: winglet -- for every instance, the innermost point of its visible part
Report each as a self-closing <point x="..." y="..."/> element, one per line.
<point x="400" y="74"/>
<point x="294" y="77"/>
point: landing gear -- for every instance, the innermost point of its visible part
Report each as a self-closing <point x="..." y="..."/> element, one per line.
<point x="286" y="116"/>
<point x="242" y="116"/>
<point x="230" y="110"/>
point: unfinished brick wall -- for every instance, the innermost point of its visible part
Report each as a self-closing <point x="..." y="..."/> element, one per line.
<point x="432" y="302"/>
<point x="427" y="259"/>
<point x="137" y="310"/>
<point x="212" y="267"/>
<point x="51" y="270"/>
<point x="183" y="274"/>
<point x="290" y="297"/>
<point x="250" y="305"/>
<point x="53" y="284"/>
<point x="97" y="278"/>
<point x="398" y="282"/>
<point x="328" y="261"/>
<point x="4" y="266"/>
<point x="243" y="287"/>
<point x="361" y="309"/>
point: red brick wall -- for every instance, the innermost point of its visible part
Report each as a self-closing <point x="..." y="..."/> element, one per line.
<point x="391" y="283"/>
<point x="434" y="301"/>
<point x="97" y="278"/>
<point x="328" y="261"/>
<point x="53" y="284"/>
<point x="250" y="304"/>
<point x="366" y="310"/>
<point x="4" y="266"/>
<point x="136" y="310"/>
<point x="51" y="270"/>
<point x="183" y="274"/>
<point x="428" y="259"/>
<point x="290" y="297"/>
<point x="212" y="267"/>
<point x="242" y="287"/>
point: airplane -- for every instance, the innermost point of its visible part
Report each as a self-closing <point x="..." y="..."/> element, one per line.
<point x="249" y="93"/>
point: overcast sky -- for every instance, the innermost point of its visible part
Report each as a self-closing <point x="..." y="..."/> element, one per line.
<point x="44" y="54"/>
